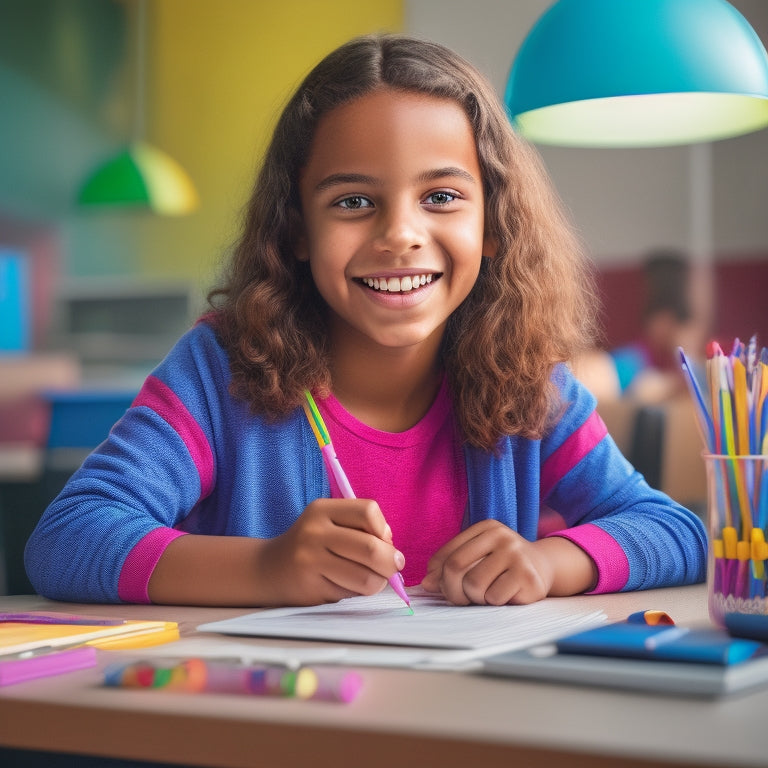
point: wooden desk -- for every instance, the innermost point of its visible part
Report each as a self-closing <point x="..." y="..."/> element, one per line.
<point x="402" y="717"/>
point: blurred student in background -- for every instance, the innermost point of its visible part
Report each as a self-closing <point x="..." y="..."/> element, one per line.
<point x="648" y="369"/>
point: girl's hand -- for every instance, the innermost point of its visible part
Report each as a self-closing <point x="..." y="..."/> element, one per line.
<point x="336" y="549"/>
<point x="491" y="564"/>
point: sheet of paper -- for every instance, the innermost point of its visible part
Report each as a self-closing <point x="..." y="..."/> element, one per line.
<point x="379" y="631"/>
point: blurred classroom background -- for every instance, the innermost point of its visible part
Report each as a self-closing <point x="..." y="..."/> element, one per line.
<point x="92" y="298"/>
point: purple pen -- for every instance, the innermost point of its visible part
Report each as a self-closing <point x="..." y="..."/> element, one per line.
<point x="52" y="617"/>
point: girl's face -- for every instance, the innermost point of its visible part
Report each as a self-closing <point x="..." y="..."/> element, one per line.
<point x="393" y="223"/>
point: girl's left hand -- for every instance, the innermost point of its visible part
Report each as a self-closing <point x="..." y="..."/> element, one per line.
<point x="489" y="563"/>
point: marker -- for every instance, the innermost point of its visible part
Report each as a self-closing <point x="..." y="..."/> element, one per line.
<point x="333" y="466"/>
<point x="332" y="461"/>
<point x="199" y="676"/>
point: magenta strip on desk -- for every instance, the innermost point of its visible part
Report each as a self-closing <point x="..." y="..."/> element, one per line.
<point x="54" y="663"/>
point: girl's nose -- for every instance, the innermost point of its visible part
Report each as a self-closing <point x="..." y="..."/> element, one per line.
<point x="400" y="230"/>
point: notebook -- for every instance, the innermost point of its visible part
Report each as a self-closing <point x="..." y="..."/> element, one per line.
<point x="21" y="633"/>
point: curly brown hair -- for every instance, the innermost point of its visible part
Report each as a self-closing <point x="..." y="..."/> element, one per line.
<point x="532" y="306"/>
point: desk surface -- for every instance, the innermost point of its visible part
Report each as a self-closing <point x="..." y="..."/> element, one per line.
<point x="401" y="718"/>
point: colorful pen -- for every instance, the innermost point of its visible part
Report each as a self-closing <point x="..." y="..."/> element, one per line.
<point x="333" y="466"/>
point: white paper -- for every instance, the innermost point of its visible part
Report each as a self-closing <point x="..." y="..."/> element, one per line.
<point x="380" y="631"/>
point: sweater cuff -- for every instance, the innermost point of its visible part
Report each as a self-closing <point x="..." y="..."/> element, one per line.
<point x="610" y="559"/>
<point x="133" y="584"/>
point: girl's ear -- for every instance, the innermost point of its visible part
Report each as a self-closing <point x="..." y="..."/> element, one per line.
<point x="298" y="235"/>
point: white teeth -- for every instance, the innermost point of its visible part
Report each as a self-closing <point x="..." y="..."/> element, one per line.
<point x="397" y="284"/>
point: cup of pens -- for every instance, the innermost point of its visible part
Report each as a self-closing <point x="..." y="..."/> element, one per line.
<point x="732" y="415"/>
<point x="737" y="504"/>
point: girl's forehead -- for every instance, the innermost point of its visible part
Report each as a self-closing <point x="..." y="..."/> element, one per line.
<point x="389" y="123"/>
<point x="391" y="105"/>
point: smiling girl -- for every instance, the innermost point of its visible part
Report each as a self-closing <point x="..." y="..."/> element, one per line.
<point x="404" y="258"/>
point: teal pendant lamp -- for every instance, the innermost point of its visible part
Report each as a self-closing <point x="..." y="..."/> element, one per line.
<point x="140" y="175"/>
<point x="638" y="73"/>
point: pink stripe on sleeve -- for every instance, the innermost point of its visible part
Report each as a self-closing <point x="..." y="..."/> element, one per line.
<point x="571" y="452"/>
<point x="133" y="584"/>
<point x="610" y="559"/>
<point x="165" y="402"/>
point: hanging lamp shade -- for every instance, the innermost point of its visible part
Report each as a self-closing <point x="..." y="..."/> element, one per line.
<point x="638" y="73"/>
<point x="141" y="175"/>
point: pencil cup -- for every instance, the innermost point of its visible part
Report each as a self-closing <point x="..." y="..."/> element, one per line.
<point x="737" y="510"/>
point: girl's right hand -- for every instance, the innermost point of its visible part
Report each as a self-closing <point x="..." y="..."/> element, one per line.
<point x="337" y="548"/>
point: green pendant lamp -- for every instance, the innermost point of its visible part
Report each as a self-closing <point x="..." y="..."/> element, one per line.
<point x="140" y="175"/>
<point x="638" y="73"/>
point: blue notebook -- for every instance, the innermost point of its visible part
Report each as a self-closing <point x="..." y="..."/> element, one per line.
<point x="663" y="659"/>
<point x="662" y="643"/>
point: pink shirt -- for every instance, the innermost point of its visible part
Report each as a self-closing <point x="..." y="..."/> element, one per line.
<point x="418" y="477"/>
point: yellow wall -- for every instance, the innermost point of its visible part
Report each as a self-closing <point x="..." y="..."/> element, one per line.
<point x="218" y="71"/>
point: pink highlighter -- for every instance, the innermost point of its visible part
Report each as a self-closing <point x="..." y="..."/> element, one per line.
<point x="333" y="466"/>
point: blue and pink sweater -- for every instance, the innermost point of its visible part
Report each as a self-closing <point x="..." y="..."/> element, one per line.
<point x="187" y="457"/>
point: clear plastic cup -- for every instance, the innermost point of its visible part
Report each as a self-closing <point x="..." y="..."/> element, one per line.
<point x="737" y="516"/>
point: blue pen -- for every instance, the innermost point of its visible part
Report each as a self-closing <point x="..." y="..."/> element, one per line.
<point x="764" y="427"/>
<point x="762" y="510"/>
<point x="704" y="419"/>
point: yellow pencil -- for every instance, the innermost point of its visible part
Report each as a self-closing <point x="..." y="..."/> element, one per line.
<point x="741" y="407"/>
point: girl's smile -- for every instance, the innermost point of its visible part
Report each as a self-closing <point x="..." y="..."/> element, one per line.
<point x="397" y="284"/>
<point x="393" y="216"/>
<point x="400" y="291"/>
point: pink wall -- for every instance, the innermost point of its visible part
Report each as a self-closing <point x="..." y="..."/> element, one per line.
<point x="741" y="301"/>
